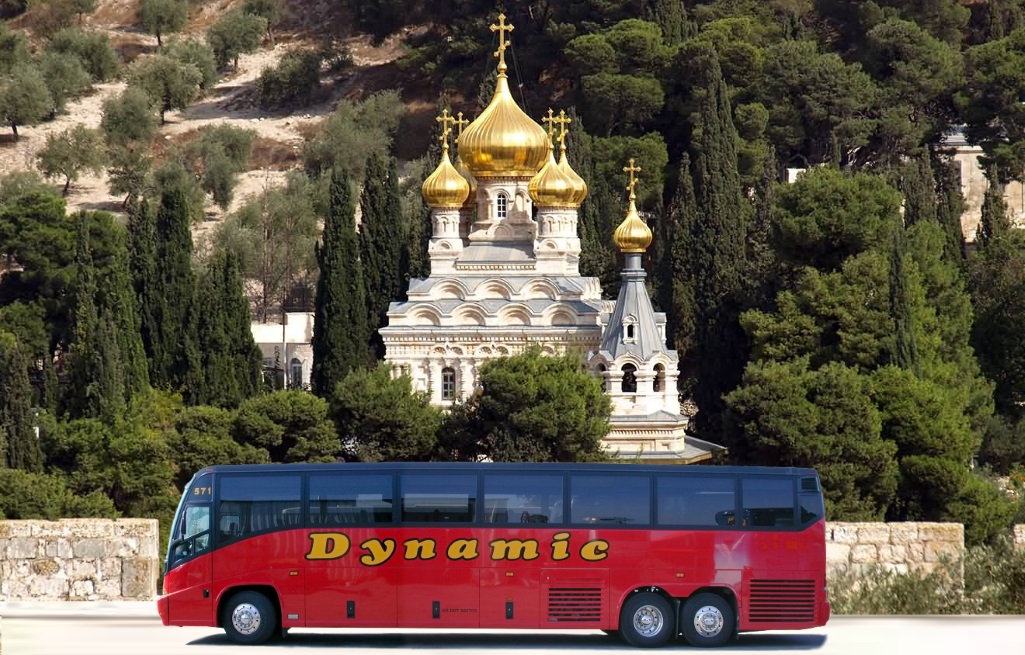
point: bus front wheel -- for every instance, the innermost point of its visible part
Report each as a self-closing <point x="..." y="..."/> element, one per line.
<point x="647" y="620"/>
<point x="249" y="618"/>
<point x="707" y="620"/>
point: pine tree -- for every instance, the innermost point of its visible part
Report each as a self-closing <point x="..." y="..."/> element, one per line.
<point x="905" y="347"/>
<point x="718" y="252"/>
<point x="381" y="246"/>
<point x="340" y="329"/>
<point x="19" y="447"/>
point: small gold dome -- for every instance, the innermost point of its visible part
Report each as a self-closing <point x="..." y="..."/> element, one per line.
<point x="504" y="141"/>
<point x="577" y="182"/>
<point x="633" y="234"/>
<point x="445" y="187"/>
<point x="461" y="168"/>
<point x="552" y="187"/>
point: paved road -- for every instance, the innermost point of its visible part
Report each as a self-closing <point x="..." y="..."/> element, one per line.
<point x="111" y="630"/>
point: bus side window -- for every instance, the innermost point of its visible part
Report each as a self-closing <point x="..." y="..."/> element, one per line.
<point x="696" y="501"/>
<point x="768" y="502"/>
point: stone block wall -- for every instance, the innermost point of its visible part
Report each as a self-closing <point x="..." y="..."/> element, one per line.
<point x="900" y="547"/>
<point x="79" y="559"/>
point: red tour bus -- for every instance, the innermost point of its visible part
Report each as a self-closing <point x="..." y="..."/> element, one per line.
<point x="648" y="552"/>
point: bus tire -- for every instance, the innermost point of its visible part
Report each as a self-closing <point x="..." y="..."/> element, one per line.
<point x="249" y="618"/>
<point x="647" y="620"/>
<point x="707" y="620"/>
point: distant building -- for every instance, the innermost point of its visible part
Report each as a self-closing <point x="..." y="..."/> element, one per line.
<point x="287" y="353"/>
<point x="973" y="185"/>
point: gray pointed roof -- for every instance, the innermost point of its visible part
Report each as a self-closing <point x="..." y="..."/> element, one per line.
<point x="633" y="308"/>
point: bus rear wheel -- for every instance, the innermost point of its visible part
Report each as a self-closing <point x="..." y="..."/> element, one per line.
<point x="647" y="620"/>
<point x="707" y="620"/>
<point x="249" y="618"/>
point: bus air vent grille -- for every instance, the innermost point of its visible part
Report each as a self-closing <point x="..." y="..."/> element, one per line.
<point x="809" y="484"/>
<point x="782" y="601"/>
<point x="574" y="604"/>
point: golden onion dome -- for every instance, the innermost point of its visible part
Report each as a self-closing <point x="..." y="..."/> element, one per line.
<point x="445" y="187"/>
<point x="552" y="187"/>
<point x="504" y="141"/>
<point x="470" y="179"/>
<point x="633" y="234"/>
<point x="577" y="182"/>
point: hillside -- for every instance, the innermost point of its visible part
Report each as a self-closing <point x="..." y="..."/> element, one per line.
<point x="232" y="100"/>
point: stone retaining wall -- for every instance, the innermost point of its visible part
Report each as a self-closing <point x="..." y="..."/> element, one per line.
<point x="900" y="547"/>
<point x="79" y="559"/>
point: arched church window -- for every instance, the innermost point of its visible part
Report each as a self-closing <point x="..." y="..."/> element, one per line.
<point x="295" y="374"/>
<point x="629" y="332"/>
<point x="659" y="383"/>
<point x="448" y="383"/>
<point x="501" y="205"/>
<point x="629" y="378"/>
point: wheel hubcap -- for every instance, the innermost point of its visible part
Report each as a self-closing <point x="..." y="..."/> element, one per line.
<point x="648" y="621"/>
<point x="708" y="621"/>
<point x="245" y="619"/>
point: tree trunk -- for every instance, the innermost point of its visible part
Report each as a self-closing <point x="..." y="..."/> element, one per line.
<point x="67" y="185"/>
<point x="14" y="126"/>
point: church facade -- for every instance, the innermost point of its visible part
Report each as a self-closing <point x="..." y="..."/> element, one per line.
<point x="505" y="277"/>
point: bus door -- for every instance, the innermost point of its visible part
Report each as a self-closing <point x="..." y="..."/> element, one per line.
<point x="439" y="578"/>
<point x="189" y="562"/>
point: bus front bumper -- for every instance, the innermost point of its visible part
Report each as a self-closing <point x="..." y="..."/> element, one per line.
<point x="162" y="609"/>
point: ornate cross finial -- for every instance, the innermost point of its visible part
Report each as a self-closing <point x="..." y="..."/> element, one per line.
<point x="631" y="169"/>
<point x="460" y="123"/>
<point x="563" y="120"/>
<point x="502" y="28"/>
<point x="446" y="122"/>
<point x="550" y="119"/>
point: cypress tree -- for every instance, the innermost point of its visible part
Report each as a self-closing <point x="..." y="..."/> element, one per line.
<point x="905" y="347"/>
<point x="995" y="223"/>
<point x="680" y="223"/>
<point x="381" y="246"/>
<point x="340" y="330"/>
<point x="599" y="215"/>
<point x="950" y="207"/>
<point x="762" y="276"/>
<point x="116" y="298"/>
<point x="919" y="189"/>
<point x="671" y="17"/>
<point x="143" y="268"/>
<point x="718" y="252"/>
<point x="19" y="447"/>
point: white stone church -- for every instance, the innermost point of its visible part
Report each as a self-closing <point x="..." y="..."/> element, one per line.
<point x="505" y="276"/>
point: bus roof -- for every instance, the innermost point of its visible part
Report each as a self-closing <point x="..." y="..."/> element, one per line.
<point x="509" y="467"/>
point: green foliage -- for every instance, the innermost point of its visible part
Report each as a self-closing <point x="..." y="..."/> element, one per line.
<point x="235" y="34"/>
<point x="25" y="495"/>
<point x="353" y="133"/>
<point x="19" y="447"/>
<point x="382" y="244"/>
<point x="14" y="50"/>
<point x="995" y="224"/>
<point x="538" y="408"/>
<point x="340" y="331"/>
<point x="292" y="426"/>
<point x="65" y="78"/>
<point x="826" y="419"/>
<point x="983" y="508"/>
<point x="1003" y="444"/>
<point x="92" y="48"/>
<point x="24" y="98"/>
<point x="198" y="54"/>
<point x="381" y="419"/>
<point x="828" y="216"/>
<point x="269" y="10"/>
<point x="161" y="17"/>
<point x="294" y="81"/>
<point x="170" y="83"/>
<point x="69" y="153"/>
<point x="878" y="590"/>
<point x="203" y="437"/>
<point x="128" y="118"/>
<point x="217" y="157"/>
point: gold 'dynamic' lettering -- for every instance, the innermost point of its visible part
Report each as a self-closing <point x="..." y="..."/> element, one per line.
<point x="511" y="549"/>
<point x="420" y="548"/>
<point x="327" y="545"/>
<point x="594" y="550"/>
<point x="560" y="546"/>
<point x="379" y="551"/>
<point x="462" y="549"/>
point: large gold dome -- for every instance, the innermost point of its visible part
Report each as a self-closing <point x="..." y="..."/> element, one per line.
<point x="552" y="187"/>
<point x="504" y="141"/>
<point x="445" y="187"/>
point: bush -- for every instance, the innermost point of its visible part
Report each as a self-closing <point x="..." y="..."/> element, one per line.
<point x="293" y="81"/>
<point x="25" y="495"/>
<point x="877" y="590"/>
<point x="91" y="48"/>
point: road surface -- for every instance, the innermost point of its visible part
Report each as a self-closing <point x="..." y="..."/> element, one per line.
<point x="88" y="629"/>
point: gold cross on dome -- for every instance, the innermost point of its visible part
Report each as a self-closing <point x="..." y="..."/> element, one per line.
<point x="446" y="121"/>
<point x="563" y="120"/>
<point x="550" y="119"/>
<point x="631" y="169"/>
<point x="460" y="123"/>
<point x="502" y="28"/>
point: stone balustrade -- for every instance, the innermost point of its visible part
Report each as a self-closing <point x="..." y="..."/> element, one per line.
<point x="79" y="559"/>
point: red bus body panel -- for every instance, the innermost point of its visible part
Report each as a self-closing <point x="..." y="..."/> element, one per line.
<point x="508" y="577"/>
